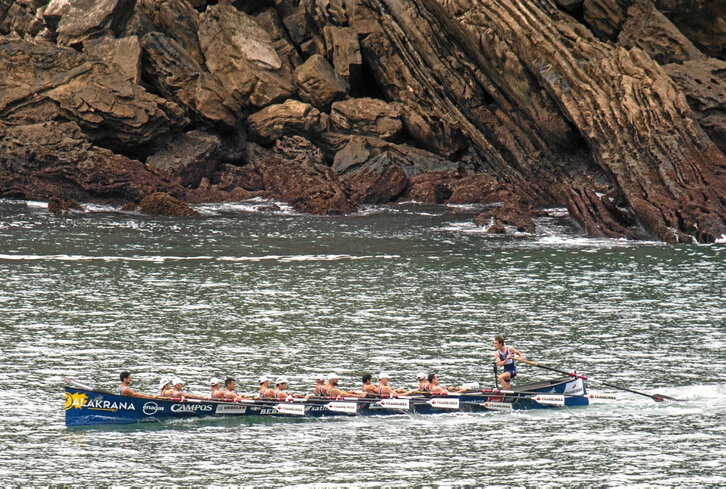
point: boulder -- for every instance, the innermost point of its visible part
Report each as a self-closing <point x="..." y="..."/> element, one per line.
<point x="513" y="214"/>
<point x="318" y="84"/>
<point x="176" y="75"/>
<point x="163" y="204"/>
<point x="651" y="31"/>
<point x="125" y="53"/>
<point x="287" y="119"/>
<point x="704" y="83"/>
<point x="380" y="180"/>
<point x="297" y="149"/>
<point x="189" y="157"/>
<point x="83" y="19"/>
<point x="366" y="117"/>
<point x="241" y="54"/>
<point x="308" y="187"/>
<point x="58" y="205"/>
<point x="270" y="21"/>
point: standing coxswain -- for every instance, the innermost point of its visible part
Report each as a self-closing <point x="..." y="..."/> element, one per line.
<point x="504" y="356"/>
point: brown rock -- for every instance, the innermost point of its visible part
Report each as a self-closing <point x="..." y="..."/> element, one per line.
<point x="163" y="204"/>
<point x="652" y="32"/>
<point x="309" y="188"/>
<point x="240" y="53"/>
<point x="606" y="17"/>
<point x="343" y="50"/>
<point x="380" y="181"/>
<point x="366" y="117"/>
<point x="176" y="75"/>
<point x="124" y="53"/>
<point x="704" y="83"/>
<point x="431" y="188"/>
<point x="189" y="157"/>
<point x="319" y="84"/>
<point x="510" y="213"/>
<point x="287" y="119"/>
<point x="229" y="177"/>
<point x="84" y="19"/>
<point x="57" y="205"/>
<point x="702" y="21"/>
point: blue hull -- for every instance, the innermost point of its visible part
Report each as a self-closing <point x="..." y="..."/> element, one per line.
<point x="91" y="407"/>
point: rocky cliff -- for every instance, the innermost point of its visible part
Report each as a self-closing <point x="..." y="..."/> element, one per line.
<point x="615" y="109"/>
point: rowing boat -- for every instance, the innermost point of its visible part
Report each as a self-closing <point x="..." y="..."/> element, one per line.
<point x="85" y="405"/>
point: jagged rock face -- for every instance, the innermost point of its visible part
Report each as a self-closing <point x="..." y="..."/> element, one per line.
<point x="290" y="118"/>
<point x="702" y="21"/>
<point x="366" y="116"/>
<point x="124" y="53"/>
<point x="50" y="159"/>
<point x="178" y="77"/>
<point x="83" y="19"/>
<point x="704" y="83"/>
<point x="43" y="82"/>
<point x="652" y="32"/>
<point x="240" y="53"/>
<point x="605" y="17"/>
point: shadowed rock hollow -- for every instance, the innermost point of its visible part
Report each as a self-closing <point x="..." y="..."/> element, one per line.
<point x="612" y="108"/>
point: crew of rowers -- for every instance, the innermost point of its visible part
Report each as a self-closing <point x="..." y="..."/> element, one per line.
<point x="325" y="386"/>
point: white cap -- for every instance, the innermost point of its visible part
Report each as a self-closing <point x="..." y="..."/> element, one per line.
<point x="214" y="381"/>
<point x="176" y="380"/>
<point x="163" y="382"/>
<point x="421" y="375"/>
<point x="332" y="375"/>
<point x="281" y="380"/>
<point x="384" y="375"/>
<point x="320" y="377"/>
<point x="263" y="379"/>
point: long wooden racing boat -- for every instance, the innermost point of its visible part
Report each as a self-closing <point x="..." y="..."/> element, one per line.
<point x="85" y="405"/>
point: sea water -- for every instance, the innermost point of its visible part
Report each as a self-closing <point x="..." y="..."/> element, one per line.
<point x="249" y="289"/>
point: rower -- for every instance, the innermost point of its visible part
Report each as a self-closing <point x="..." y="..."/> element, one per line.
<point x="280" y="385"/>
<point x="217" y="392"/>
<point x="319" y="384"/>
<point x="164" y="387"/>
<point x="368" y="387"/>
<point x="504" y="357"/>
<point x="383" y="389"/>
<point x="434" y="387"/>
<point x="177" y="391"/>
<point x="423" y="383"/>
<point x="124" y="389"/>
<point x="265" y="391"/>
<point x="229" y="392"/>
<point x="331" y="388"/>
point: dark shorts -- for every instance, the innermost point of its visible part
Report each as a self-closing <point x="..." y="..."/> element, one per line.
<point x="512" y="373"/>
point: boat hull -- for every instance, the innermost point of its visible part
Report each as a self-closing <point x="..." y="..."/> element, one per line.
<point x="93" y="407"/>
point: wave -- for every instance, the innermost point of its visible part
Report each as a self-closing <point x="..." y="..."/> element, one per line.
<point x="162" y="259"/>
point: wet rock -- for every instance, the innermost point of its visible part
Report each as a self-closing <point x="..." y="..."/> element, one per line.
<point x="431" y="188"/>
<point x="379" y="181"/>
<point x="366" y="116"/>
<point x="57" y="205"/>
<point x="124" y="53"/>
<point x="189" y="157"/>
<point x="240" y="53"/>
<point x="704" y="83"/>
<point x="53" y="159"/>
<point x="652" y="32"/>
<point x="318" y="84"/>
<point x="229" y="177"/>
<point x="163" y="204"/>
<point x="287" y="119"/>
<point x="308" y="187"/>
<point x="512" y="214"/>
<point x="83" y="19"/>
<point x="176" y="75"/>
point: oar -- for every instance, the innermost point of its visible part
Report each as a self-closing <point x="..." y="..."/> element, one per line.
<point x="496" y="377"/>
<point x="655" y="397"/>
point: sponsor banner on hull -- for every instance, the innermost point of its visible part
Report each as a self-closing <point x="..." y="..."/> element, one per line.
<point x="445" y="403"/>
<point x="497" y="406"/>
<point x="295" y="409"/>
<point x="231" y="409"/>
<point x="343" y="407"/>
<point x="151" y="408"/>
<point x="192" y="408"/>
<point x="393" y="404"/>
<point x="575" y="387"/>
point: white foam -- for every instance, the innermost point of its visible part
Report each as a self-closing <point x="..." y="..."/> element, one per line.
<point x="161" y="259"/>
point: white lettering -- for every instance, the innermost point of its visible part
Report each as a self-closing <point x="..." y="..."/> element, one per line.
<point x="109" y="405"/>
<point x="191" y="408"/>
<point x="151" y="408"/>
